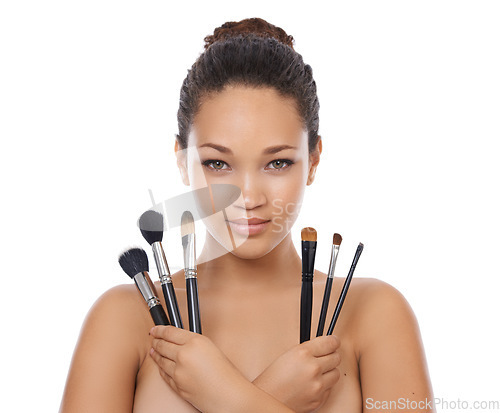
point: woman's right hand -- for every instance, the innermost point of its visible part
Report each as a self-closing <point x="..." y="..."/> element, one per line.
<point x="303" y="377"/>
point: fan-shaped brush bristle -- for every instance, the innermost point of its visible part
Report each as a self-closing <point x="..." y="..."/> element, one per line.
<point x="187" y="223"/>
<point x="337" y="239"/>
<point x="308" y="234"/>
<point x="134" y="261"/>
<point x="151" y="226"/>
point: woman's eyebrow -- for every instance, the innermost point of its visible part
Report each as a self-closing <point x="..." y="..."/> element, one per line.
<point x="267" y="151"/>
<point x="278" y="148"/>
<point x="220" y="148"/>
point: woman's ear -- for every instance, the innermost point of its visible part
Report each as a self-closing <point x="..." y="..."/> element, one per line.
<point x="314" y="160"/>
<point x="181" y="155"/>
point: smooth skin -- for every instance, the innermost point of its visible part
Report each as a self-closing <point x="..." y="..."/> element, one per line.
<point x="248" y="358"/>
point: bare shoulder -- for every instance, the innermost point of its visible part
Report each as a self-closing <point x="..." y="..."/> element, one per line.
<point x="368" y="294"/>
<point x="121" y="304"/>
<point x="376" y="292"/>
<point x="118" y="316"/>
<point x="380" y="310"/>
<point x="111" y="347"/>
<point x="117" y="294"/>
<point x="371" y="306"/>
<point x="378" y="297"/>
<point x="388" y="344"/>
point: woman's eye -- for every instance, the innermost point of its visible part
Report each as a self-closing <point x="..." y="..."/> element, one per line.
<point x="215" y="164"/>
<point x="280" y="163"/>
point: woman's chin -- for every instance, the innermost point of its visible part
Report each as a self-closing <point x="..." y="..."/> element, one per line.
<point x="253" y="247"/>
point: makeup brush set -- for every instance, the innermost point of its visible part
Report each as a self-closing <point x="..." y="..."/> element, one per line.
<point x="309" y="242"/>
<point x="134" y="262"/>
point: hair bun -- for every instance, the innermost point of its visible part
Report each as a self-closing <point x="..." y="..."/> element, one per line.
<point x="254" y="25"/>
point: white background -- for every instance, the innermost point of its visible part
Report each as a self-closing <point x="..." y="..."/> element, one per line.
<point x="410" y="105"/>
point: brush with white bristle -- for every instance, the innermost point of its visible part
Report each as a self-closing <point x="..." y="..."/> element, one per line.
<point x="190" y="271"/>
<point x="135" y="264"/>
<point x="151" y="226"/>
<point x="337" y="240"/>
<point x="309" y="242"/>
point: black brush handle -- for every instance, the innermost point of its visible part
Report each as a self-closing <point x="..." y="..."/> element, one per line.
<point x="172" y="306"/>
<point x="324" y="306"/>
<point x="306" y="297"/>
<point x="306" y="294"/>
<point x="345" y="288"/>
<point x="193" y="305"/>
<point x="159" y="317"/>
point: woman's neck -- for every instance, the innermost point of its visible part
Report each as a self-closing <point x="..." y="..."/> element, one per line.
<point x="281" y="267"/>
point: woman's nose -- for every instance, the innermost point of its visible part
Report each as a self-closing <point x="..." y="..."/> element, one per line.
<point x="252" y="191"/>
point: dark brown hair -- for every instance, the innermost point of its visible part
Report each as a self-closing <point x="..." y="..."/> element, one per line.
<point x="253" y="53"/>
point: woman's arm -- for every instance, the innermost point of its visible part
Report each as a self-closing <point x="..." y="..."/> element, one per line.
<point x="393" y="369"/>
<point x="303" y="377"/>
<point x="106" y="359"/>
<point x="202" y="375"/>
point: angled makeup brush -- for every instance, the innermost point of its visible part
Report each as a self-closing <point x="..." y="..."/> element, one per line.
<point x="343" y="294"/>
<point x="151" y="226"/>
<point x="309" y="238"/>
<point x="190" y="271"/>
<point x="337" y="240"/>
<point x="135" y="264"/>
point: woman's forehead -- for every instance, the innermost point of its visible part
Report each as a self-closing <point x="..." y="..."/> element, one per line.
<point x="249" y="117"/>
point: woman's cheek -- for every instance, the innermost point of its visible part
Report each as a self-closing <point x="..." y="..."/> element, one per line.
<point x="286" y="203"/>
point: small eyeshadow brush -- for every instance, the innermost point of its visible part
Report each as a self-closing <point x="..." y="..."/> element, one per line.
<point x="337" y="240"/>
<point x="343" y="294"/>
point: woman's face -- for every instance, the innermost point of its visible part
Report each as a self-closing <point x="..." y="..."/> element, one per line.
<point x="254" y="139"/>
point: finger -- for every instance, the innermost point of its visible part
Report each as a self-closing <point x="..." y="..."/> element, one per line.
<point x="164" y="364"/>
<point x="169" y="380"/>
<point x="323" y="345"/>
<point x="330" y="378"/>
<point x="329" y="362"/>
<point x="170" y="333"/>
<point x="165" y="348"/>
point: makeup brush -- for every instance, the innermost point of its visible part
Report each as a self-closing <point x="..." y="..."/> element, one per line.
<point x="309" y="238"/>
<point x="343" y="294"/>
<point x="190" y="271"/>
<point x="151" y="226"/>
<point x="135" y="264"/>
<point x="337" y="240"/>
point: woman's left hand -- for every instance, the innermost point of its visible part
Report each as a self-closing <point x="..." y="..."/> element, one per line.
<point x="193" y="366"/>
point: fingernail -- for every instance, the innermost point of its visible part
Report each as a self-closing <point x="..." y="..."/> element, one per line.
<point x="151" y="351"/>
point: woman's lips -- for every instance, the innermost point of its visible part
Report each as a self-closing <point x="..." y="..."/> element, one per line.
<point x="248" y="226"/>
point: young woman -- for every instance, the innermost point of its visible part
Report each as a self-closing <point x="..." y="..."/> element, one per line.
<point x="248" y="116"/>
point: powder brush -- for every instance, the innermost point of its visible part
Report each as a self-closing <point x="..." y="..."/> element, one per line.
<point x="151" y="226"/>
<point x="135" y="264"/>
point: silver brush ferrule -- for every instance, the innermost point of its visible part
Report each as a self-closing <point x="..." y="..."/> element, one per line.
<point x="188" y="244"/>
<point x="146" y="288"/>
<point x="333" y="260"/>
<point x="161" y="263"/>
